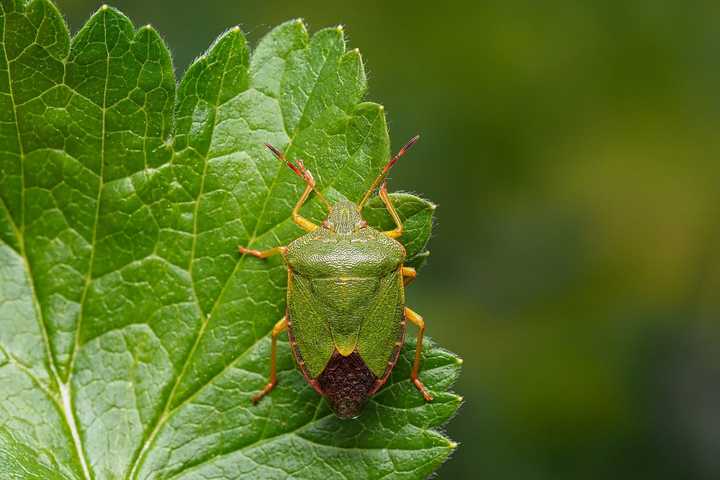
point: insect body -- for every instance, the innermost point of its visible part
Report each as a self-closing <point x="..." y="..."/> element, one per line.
<point x="346" y="313"/>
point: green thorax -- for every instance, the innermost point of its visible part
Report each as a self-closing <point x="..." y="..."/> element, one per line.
<point x="345" y="246"/>
<point x="346" y="291"/>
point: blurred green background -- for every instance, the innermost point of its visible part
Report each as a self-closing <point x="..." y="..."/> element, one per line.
<point x="573" y="149"/>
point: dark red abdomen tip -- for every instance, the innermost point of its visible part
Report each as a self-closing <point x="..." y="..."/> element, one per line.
<point x="346" y="382"/>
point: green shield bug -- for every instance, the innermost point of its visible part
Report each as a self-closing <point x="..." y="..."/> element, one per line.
<point x="346" y="310"/>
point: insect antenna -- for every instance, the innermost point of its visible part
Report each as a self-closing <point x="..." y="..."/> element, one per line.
<point x="301" y="171"/>
<point x="376" y="183"/>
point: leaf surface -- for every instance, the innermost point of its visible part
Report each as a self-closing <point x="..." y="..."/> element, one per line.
<point x="132" y="334"/>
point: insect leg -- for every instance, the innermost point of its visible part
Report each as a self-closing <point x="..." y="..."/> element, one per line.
<point x="299" y="168"/>
<point x="398" y="230"/>
<point x="301" y="221"/>
<point x="420" y="323"/>
<point x="263" y="253"/>
<point x="279" y="327"/>
<point x="408" y="274"/>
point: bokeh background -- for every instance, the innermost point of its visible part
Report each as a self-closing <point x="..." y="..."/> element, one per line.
<point x="573" y="148"/>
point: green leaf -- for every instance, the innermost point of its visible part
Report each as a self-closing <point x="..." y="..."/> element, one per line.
<point x="132" y="334"/>
<point x="20" y="462"/>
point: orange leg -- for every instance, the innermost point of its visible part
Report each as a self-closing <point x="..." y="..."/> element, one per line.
<point x="263" y="253"/>
<point x="279" y="327"/>
<point x="299" y="168"/>
<point x="398" y="230"/>
<point x="301" y="221"/>
<point x="409" y="274"/>
<point x="420" y="323"/>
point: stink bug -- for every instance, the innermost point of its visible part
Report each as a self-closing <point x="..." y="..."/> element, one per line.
<point x="346" y="310"/>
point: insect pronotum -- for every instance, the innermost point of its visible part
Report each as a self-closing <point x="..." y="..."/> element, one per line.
<point x="346" y="315"/>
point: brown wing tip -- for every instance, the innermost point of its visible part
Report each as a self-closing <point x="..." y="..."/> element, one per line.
<point x="346" y="382"/>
